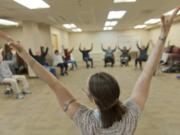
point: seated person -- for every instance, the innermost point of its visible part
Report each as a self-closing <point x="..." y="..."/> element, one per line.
<point x="109" y="56"/>
<point x="74" y="62"/>
<point x="86" y="56"/>
<point x="6" y="76"/>
<point x="143" y="56"/>
<point x="68" y="59"/>
<point x="58" y="61"/>
<point x="40" y="57"/>
<point x="8" y="55"/>
<point x="125" y="56"/>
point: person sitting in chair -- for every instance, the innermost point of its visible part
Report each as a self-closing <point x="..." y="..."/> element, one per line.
<point x="6" y="76"/>
<point x="109" y="56"/>
<point x="58" y="61"/>
<point x="143" y="56"/>
<point x="125" y="56"/>
<point x="68" y="60"/>
<point x="86" y="56"/>
<point x="40" y="56"/>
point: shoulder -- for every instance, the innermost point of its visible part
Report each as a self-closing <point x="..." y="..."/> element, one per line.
<point x="84" y="117"/>
<point x="134" y="110"/>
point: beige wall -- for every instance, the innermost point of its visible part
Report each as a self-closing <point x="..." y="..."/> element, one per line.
<point x="63" y="37"/>
<point x="174" y="35"/>
<point x="15" y="32"/>
<point x="69" y="40"/>
<point x="124" y="38"/>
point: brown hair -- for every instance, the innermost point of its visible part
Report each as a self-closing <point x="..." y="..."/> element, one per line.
<point x="105" y="91"/>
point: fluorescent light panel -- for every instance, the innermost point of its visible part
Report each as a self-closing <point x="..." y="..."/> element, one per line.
<point x="69" y="26"/>
<point x="116" y="14"/>
<point x="110" y="23"/>
<point x="152" y="21"/>
<point x="124" y="1"/>
<point x="77" y="30"/>
<point x="171" y="12"/>
<point x="139" y="26"/>
<point x="108" y="28"/>
<point x="7" y="22"/>
<point x="33" y="4"/>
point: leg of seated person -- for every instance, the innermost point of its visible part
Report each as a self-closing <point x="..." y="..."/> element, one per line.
<point x="136" y="62"/>
<point x="66" y="68"/>
<point x="112" y="62"/>
<point x="14" y="86"/>
<point x="91" y="60"/>
<point x="105" y="62"/>
<point x="61" y="66"/>
<point x="24" y="82"/>
<point x="87" y="64"/>
<point x="75" y="64"/>
<point x="140" y="64"/>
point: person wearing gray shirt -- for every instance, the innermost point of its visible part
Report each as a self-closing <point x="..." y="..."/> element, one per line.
<point x="7" y="77"/>
<point x="109" y="55"/>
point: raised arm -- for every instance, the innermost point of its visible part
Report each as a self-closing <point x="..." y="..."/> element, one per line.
<point x="114" y="49"/>
<point x="102" y="48"/>
<point x="30" y="52"/>
<point x="1" y="50"/>
<point x="141" y="90"/>
<point x="91" y="48"/>
<point x="147" y="47"/>
<point x="137" y="44"/>
<point x="44" y="53"/>
<point x="71" y="50"/>
<point x="63" y="96"/>
<point x="129" y="49"/>
<point x="80" y="48"/>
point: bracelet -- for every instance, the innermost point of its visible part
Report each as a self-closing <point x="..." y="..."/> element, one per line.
<point x="162" y="38"/>
<point x="67" y="103"/>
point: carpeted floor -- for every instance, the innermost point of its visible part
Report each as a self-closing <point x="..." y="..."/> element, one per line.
<point x="40" y="114"/>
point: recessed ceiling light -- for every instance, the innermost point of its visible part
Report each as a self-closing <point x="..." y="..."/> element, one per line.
<point x="116" y="14"/>
<point x="110" y="23"/>
<point x="152" y="21"/>
<point x="139" y="26"/>
<point x="8" y="22"/>
<point x="77" y="30"/>
<point x="69" y="26"/>
<point x="123" y="1"/>
<point x="107" y="28"/>
<point x="171" y="12"/>
<point x="73" y="26"/>
<point x="33" y="4"/>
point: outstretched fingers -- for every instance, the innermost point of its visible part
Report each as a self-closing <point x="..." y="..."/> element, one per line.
<point x="174" y="14"/>
<point x="5" y="36"/>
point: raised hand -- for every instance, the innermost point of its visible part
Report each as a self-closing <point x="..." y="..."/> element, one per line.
<point x="19" y="48"/>
<point x="1" y="50"/>
<point x="167" y="23"/>
<point x="6" y="37"/>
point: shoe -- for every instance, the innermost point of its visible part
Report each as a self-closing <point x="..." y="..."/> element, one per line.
<point x="8" y="92"/>
<point x="66" y="73"/>
<point x="19" y="96"/>
<point x="87" y="66"/>
<point x="25" y="92"/>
